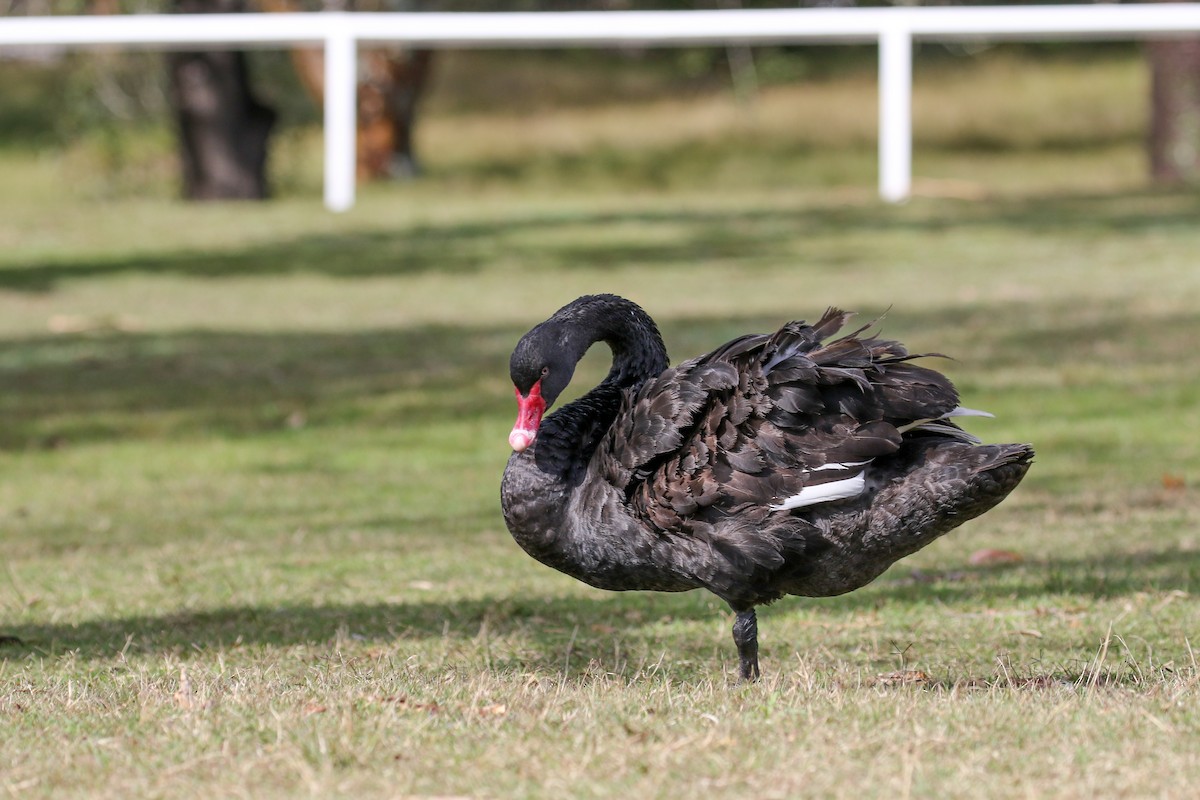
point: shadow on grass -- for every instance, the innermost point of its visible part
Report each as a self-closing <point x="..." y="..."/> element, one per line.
<point x="1104" y="576"/>
<point x="57" y="391"/>
<point x="548" y="621"/>
<point x="457" y="248"/>
<point x="766" y="231"/>
<point x="551" y="622"/>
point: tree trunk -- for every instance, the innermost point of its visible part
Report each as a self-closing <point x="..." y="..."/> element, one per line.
<point x="390" y="87"/>
<point x="387" y="112"/>
<point x="223" y="128"/>
<point x="1174" y="138"/>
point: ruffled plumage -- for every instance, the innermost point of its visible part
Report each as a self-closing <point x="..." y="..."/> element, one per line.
<point x="784" y="463"/>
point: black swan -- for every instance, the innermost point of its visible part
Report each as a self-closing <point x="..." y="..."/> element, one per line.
<point x="777" y="464"/>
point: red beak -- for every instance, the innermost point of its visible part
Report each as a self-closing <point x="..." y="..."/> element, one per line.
<point x="530" y="408"/>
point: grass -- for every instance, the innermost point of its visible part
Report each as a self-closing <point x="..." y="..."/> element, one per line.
<point x="249" y="459"/>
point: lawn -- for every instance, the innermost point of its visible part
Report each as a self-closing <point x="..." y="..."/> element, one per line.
<point x="250" y="454"/>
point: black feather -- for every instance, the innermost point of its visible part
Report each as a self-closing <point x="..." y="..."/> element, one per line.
<point x="665" y="478"/>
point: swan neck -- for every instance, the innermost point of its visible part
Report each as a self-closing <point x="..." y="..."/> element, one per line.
<point x="638" y="352"/>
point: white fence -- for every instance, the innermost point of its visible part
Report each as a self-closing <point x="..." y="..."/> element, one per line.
<point x="894" y="29"/>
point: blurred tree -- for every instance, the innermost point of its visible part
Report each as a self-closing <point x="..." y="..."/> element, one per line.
<point x="1174" y="136"/>
<point x="224" y="129"/>
<point x="392" y="81"/>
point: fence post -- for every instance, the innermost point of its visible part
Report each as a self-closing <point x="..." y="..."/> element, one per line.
<point x="341" y="115"/>
<point x="895" y="114"/>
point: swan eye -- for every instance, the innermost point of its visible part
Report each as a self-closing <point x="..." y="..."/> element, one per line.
<point x="545" y="371"/>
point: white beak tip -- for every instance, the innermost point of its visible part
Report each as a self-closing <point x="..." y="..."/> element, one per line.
<point x="519" y="440"/>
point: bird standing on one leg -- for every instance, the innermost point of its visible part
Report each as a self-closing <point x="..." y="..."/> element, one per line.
<point x="777" y="464"/>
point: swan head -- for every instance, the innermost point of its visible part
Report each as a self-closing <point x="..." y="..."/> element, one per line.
<point x="541" y="366"/>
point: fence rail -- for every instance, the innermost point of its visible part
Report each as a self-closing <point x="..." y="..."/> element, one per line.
<point x="894" y="29"/>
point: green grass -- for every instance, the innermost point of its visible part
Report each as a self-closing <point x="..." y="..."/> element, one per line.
<point x="249" y="466"/>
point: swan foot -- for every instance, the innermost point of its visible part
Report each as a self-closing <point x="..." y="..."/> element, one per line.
<point x="745" y="636"/>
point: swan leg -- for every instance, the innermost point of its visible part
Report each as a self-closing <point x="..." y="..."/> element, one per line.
<point x="745" y="636"/>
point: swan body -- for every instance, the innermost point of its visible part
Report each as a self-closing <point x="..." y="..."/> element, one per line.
<point x="784" y="463"/>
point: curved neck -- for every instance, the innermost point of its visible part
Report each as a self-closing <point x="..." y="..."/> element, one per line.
<point x="637" y="347"/>
<point x="571" y="434"/>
